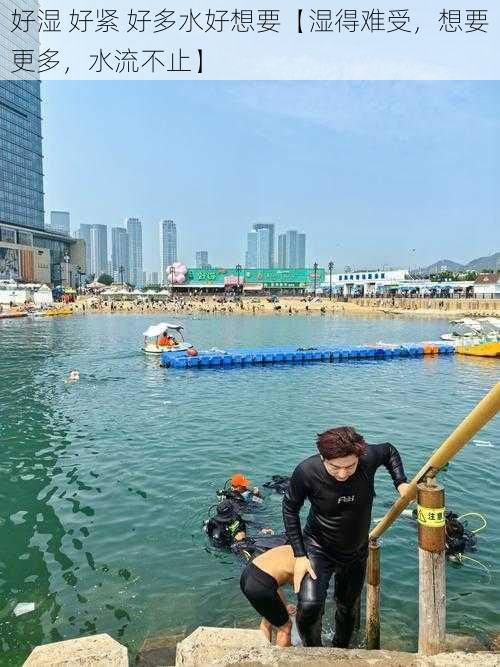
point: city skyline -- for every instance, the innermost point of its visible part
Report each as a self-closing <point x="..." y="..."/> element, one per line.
<point x="365" y="169"/>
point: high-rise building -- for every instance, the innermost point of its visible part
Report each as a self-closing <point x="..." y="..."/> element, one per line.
<point x="282" y="258"/>
<point x="21" y="176"/>
<point x="144" y="278"/>
<point x="98" y="250"/>
<point x="84" y="233"/>
<point x="168" y="247"/>
<point x="251" y="253"/>
<point x="120" y="255"/>
<point x="292" y="250"/>
<point x="202" y="260"/>
<point x="28" y="252"/>
<point x="59" y="222"/>
<point x="301" y="251"/>
<point x="153" y="278"/>
<point x="134" y="229"/>
<point x="263" y="245"/>
<point x="267" y="260"/>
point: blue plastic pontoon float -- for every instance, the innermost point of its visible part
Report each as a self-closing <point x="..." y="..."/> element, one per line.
<point x="292" y="355"/>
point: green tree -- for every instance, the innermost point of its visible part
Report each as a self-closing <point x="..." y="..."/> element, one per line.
<point x="105" y="279"/>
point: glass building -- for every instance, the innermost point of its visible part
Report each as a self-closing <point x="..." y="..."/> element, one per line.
<point x="265" y="254"/>
<point x="59" y="222"/>
<point x="21" y="176"/>
<point x="134" y="229"/>
<point x="120" y="254"/>
<point x="292" y="250"/>
<point x="168" y="247"/>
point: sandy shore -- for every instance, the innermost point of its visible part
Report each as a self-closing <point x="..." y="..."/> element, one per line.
<point x="289" y="306"/>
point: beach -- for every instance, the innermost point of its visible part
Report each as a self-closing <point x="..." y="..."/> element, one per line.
<point x="293" y="305"/>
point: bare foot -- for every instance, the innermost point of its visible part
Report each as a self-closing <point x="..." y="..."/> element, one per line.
<point x="267" y="629"/>
<point x="284" y="635"/>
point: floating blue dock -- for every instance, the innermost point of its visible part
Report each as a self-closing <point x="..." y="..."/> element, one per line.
<point x="293" y="355"/>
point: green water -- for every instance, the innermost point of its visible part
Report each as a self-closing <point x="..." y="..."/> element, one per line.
<point x="104" y="483"/>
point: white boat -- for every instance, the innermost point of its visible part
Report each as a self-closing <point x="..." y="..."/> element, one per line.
<point x="165" y="337"/>
<point x="473" y="331"/>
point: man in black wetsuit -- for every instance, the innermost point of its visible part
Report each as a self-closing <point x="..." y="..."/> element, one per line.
<point x="339" y="483"/>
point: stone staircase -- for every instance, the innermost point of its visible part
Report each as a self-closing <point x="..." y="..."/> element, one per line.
<point x="228" y="647"/>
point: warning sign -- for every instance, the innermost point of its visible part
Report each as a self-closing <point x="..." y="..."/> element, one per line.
<point x="430" y="516"/>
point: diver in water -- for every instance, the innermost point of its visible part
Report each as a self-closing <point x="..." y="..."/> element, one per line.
<point x="226" y="526"/>
<point x="278" y="483"/>
<point x="237" y="489"/>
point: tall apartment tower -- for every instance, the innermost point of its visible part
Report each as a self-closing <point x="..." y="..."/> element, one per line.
<point x="301" y="251"/>
<point x="21" y="173"/>
<point x="120" y="255"/>
<point x="292" y="250"/>
<point x="84" y="233"/>
<point x="98" y="250"/>
<point x="267" y="261"/>
<point x="259" y="242"/>
<point x="59" y="222"/>
<point x="168" y="247"/>
<point x="202" y="259"/>
<point x="134" y="230"/>
<point x="251" y="252"/>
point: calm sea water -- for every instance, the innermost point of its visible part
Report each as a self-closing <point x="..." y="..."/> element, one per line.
<point x="104" y="484"/>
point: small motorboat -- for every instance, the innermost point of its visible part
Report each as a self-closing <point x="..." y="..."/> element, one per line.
<point x="165" y="337"/>
<point x="469" y="331"/>
<point x="485" y="349"/>
<point x="13" y="314"/>
<point x="56" y="312"/>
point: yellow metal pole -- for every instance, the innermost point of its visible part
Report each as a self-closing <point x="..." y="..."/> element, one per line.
<point x="485" y="410"/>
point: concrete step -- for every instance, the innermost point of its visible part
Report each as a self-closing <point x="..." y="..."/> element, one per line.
<point x="226" y="647"/>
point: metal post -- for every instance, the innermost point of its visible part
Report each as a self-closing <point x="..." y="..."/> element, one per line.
<point x="172" y="272"/>
<point x="373" y="596"/>
<point x="238" y="271"/>
<point x="315" y="266"/>
<point x="431" y="568"/>
<point x="330" y="269"/>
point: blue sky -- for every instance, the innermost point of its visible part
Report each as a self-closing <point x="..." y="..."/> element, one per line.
<point x="397" y="173"/>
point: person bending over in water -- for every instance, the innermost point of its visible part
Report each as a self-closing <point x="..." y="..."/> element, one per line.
<point x="73" y="376"/>
<point x="261" y="583"/>
<point x="339" y="483"/>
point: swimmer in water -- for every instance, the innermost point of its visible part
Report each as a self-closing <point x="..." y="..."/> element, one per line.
<point x="73" y="376"/>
